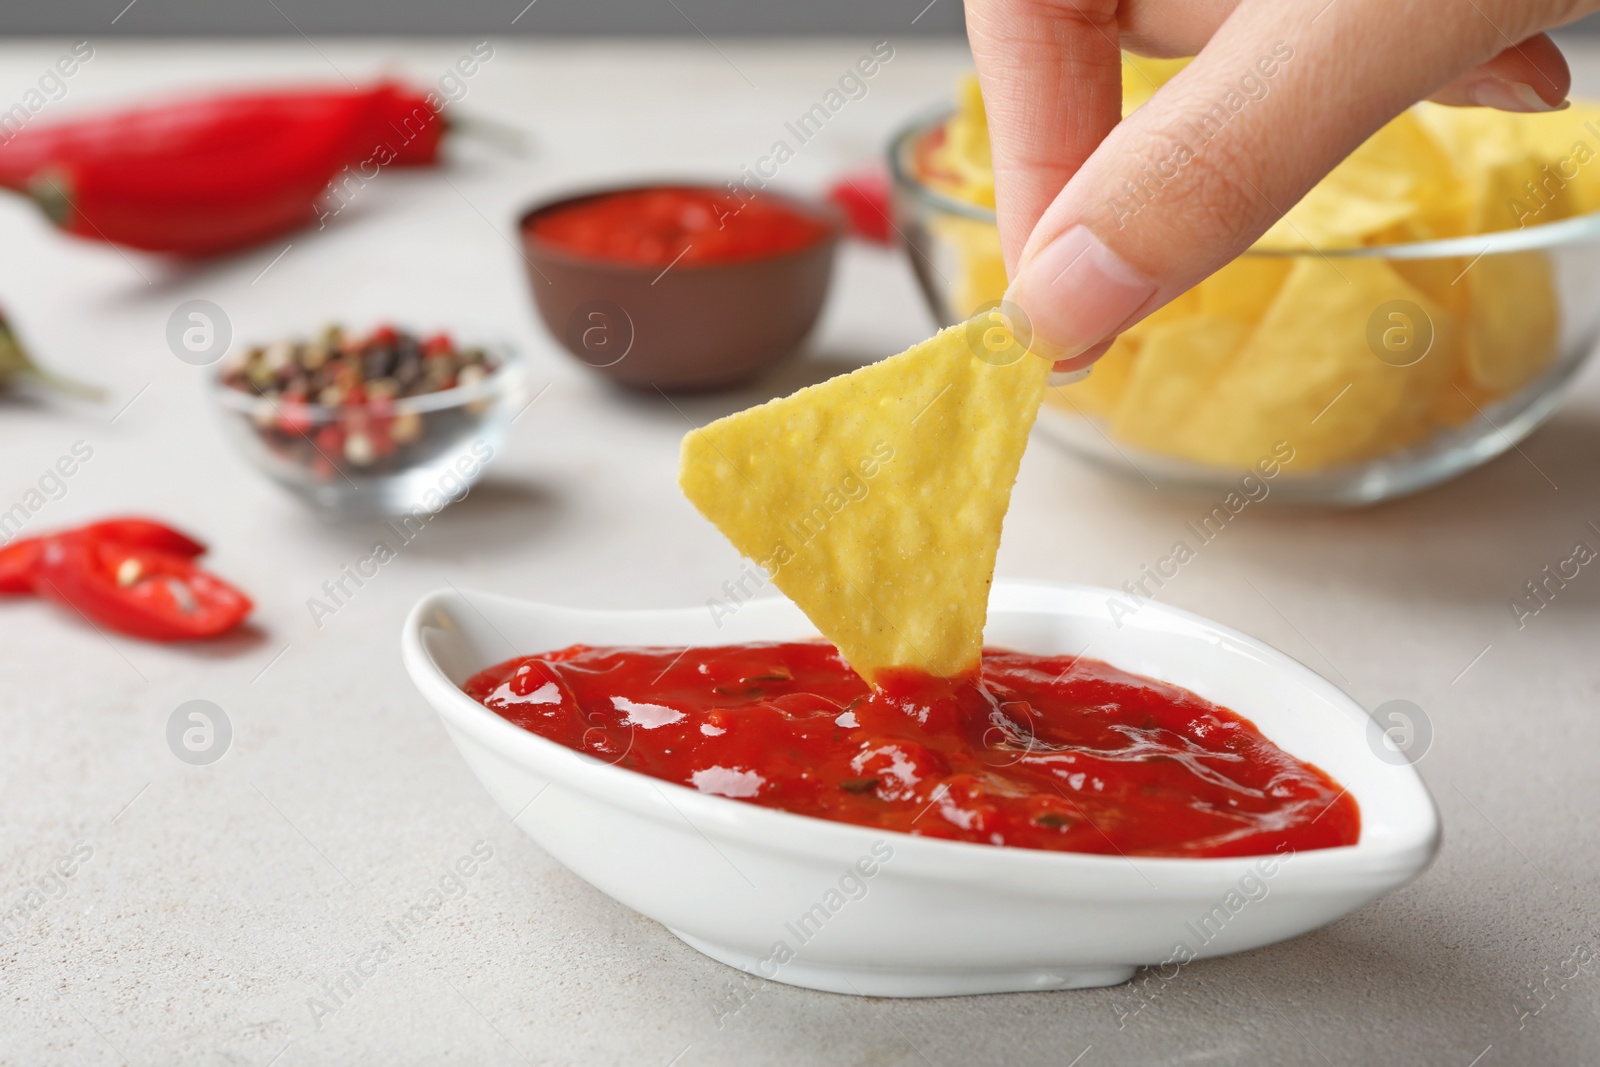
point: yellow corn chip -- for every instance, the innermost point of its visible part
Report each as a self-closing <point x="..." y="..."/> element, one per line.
<point x="1245" y="288"/>
<point x="1178" y="364"/>
<point x="1179" y="307"/>
<point x="1397" y="186"/>
<point x="979" y="273"/>
<point x="1309" y="374"/>
<point x="1520" y="170"/>
<point x="1566" y="142"/>
<point x="1459" y="403"/>
<point x="1511" y="336"/>
<point x="962" y="160"/>
<point x="1439" y="277"/>
<point x="1099" y="392"/>
<point x="874" y="500"/>
<point x="1142" y="76"/>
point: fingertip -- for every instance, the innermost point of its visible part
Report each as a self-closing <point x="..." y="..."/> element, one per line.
<point x="1067" y="371"/>
<point x="1528" y="78"/>
<point x="1075" y="292"/>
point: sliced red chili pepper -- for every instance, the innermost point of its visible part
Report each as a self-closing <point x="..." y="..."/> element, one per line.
<point x="18" y="559"/>
<point x="145" y="533"/>
<point x="156" y="595"/>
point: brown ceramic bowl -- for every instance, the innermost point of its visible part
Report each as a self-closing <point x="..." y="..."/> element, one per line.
<point x="689" y="327"/>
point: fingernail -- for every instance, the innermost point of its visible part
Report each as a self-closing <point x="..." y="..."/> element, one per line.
<point x="1079" y="364"/>
<point x="1512" y="96"/>
<point x="1076" y="292"/>
<point x="1066" y="377"/>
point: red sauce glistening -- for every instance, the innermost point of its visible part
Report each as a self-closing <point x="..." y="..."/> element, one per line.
<point x="1049" y="752"/>
<point x="677" y="225"/>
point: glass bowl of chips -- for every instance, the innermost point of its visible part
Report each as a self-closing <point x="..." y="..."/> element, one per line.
<point x="1421" y="311"/>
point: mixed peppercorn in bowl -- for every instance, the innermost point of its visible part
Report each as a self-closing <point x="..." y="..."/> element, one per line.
<point x="370" y="423"/>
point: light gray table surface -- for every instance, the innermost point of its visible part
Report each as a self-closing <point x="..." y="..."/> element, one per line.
<point x="209" y="906"/>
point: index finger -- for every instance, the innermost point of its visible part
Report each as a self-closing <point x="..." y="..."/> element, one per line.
<point x="1051" y="74"/>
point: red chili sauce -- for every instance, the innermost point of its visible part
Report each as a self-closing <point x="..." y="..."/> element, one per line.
<point x="1046" y="752"/>
<point x="677" y="225"/>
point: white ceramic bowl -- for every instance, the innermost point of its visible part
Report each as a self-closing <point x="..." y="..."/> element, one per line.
<point x="851" y="909"/>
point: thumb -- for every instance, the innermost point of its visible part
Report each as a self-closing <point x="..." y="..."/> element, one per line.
<point x="1278" y="97"/>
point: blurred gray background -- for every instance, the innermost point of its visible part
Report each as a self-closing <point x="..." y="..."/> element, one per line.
<point x="708" y="18"/>
<point x="381" y="17"/>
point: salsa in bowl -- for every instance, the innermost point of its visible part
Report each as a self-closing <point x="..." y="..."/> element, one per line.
<point x="1050" y="752"/>
<point x="789" y="897"/>
<point x="679" y="287"/>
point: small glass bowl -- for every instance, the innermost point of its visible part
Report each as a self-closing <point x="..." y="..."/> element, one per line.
<point x="1546" y="305"/>
<point x="381" y="457"/>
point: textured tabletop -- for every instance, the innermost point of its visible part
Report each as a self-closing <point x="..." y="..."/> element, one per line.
<point x="244" y="912"/>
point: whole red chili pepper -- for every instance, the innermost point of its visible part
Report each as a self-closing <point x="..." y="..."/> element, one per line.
<point x="413" y="129"/>
<point x="222" y="124"/>
<point x="17" y="366"/>
<point x="214" y="174"/>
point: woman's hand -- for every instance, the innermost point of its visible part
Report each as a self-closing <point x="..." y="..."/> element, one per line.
<point x="1315" y="77"/>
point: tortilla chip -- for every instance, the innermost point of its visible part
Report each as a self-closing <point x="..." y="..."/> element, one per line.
<point x="1441" y="278"/>
<point x="1520" y="170"/>
<point x="1245" y="288"/>
<point x="977" y="275"/>
<point x="1178" y="365"/>
<point x="1180" y="307"/>
<point x="1098" y="393"/>
<point x="1142" y="76"/>
<point x="962" y="160"/>
<point x="875" y="499"/>
<point x="1397" y="186"/>
<point x="1515" y="322"/>
<point x="1308" y="375"/>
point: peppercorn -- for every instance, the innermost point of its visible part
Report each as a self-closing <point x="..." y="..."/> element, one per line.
<point x="340" y="400"/>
